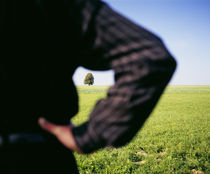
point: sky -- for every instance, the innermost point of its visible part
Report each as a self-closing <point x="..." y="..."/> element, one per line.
<point x="183" y="25"/>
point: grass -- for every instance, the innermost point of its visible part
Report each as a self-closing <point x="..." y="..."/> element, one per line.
<point x="174" y="140"/>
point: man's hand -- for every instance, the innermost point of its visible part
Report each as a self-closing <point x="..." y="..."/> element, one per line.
<point x="63" y="134"/>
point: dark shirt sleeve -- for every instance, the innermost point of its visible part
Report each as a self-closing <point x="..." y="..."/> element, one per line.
<point x="142" y="67"/>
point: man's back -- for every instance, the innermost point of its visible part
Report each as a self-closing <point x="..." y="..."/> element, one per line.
<point x="37" y="31"/>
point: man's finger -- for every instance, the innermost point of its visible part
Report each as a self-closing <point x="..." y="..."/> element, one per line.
<point x="50" y="127"/>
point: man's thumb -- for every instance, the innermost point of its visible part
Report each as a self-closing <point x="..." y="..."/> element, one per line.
<point x="50" y="127"/>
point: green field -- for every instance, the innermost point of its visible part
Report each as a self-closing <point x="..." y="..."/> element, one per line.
<point x="175" y="138"/>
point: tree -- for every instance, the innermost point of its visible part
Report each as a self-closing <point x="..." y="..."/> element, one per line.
<point x="89" y="79"/>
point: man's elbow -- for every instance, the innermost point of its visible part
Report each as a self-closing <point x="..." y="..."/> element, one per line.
<point x="170" y="65"/>
<point x="163" y="61"/>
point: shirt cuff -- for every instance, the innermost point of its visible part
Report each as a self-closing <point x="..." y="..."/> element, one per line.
<point x="86" y="139"/>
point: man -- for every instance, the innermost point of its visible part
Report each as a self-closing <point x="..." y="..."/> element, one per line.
<point x="84" y="33"/>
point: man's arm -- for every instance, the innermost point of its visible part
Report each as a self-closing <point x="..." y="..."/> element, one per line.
<point x="142" y="67"/>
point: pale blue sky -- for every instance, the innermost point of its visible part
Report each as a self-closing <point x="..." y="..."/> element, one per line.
<point x="184" y="26"/>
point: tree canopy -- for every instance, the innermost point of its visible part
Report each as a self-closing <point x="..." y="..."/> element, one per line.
<point x="89" y="79"/>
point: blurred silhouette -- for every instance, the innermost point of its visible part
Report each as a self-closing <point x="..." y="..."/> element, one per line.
<point x="54" y="37"/>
